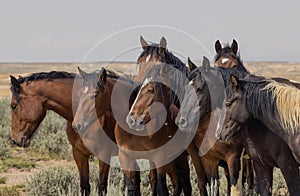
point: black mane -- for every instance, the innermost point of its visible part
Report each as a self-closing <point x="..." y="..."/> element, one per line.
<point x="259" y="101"/>
<point x="46" y="76"/>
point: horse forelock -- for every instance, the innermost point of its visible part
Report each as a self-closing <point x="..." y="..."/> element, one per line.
<point x="15" y="93"/>
<point x="287" y="99"/>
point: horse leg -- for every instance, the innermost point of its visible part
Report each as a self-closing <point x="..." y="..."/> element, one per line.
<point x="234" y="166"/>
<point x="103" y="178"/>
<point x="264" y="176"/>
<point x="162" y="188"/>
<point x="193" y="152"/>
<point x="82" y="162"/>
<point x="249" y="176"/>
<point x="212" y="173"/>
<point x="290" y="171"/>
<point x="153" y="179"/>
<point x="226" y="173"/>
<point x="81" y="159"/>
<point x="131" y="175"/>
<point x="183" y="168"/>
<point x="173" y="172"/>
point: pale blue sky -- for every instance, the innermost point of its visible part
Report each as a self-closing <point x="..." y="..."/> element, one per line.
<point x="34" y="30"/>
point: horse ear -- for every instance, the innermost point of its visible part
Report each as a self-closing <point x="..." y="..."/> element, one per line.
<point x="144" y="44"/>
<point x="15" y="83"/>
<point x="81" y="72"/>
<point x="234" y="81"/>
<point x="192" y="66"/>
<point x="205" y="63"/>
<point x="103" y="76"/>
<point x="234" y="46"/>
<point x="163" y="43"/>
<point x="218" y="46"/>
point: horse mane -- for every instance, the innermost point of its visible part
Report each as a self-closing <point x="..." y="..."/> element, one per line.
<point x="46" y="76"/>
<point x="287" y="99"/>
<point x="275" y="101"/>
<point x="227" y="50"/>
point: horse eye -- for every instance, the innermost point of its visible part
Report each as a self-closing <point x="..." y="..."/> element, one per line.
<point x="228" y="103"/>
<point x="94" y="95"/>
<point x="13" y="106"/>
<point x="199" y="90"/>
<point x="150" y="90"/>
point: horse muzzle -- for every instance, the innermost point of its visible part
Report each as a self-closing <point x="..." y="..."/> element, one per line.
<point x="80" y="127"/>
<point x="135" y="124"/>
<point x="24" y="142"/>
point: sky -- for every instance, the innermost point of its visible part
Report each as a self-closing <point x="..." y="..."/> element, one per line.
<point x="78" y="31"/>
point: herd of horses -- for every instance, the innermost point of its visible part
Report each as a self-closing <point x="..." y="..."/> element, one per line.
<point x="210" y="113"/>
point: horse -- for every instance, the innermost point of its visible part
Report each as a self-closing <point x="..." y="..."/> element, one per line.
<point x="99" y="97"/>
<point x="256" y="136"/>
<point x="155" y="54"/>
<point x="212" y="152"/>
<point x="32" y="96"/>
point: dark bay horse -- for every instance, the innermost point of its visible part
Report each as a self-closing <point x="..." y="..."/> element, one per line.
<point x="266" y="148"/>
<point x="212" y="151"/>
<point x="32" y="96"/>
<point x="100" y="97"/>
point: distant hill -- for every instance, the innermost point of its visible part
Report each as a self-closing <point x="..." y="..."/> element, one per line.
<point x="290" y="70"/>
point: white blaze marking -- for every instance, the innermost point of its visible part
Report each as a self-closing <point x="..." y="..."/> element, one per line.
<point x="224" y="60"/>
<point x="191" y="82"/>
<point x="147" y="80"/>
<point x="85" y="90"/>
<point x="148" y="58"/>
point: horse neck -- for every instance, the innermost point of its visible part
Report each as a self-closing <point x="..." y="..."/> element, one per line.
<point x="58" y="95"/>
<point x="267" y="115"/>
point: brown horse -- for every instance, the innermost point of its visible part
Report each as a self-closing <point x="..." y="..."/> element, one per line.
<point x="266" y="148"/>
<point x="32" y="96"/>
<point x="100" y="97"/>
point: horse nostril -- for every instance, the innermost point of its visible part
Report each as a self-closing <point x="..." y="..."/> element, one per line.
<point x="13" y="142"/>
<point x="182" y="122"/>
<point x="78" y="127"/>
<point x="130" y="121"/>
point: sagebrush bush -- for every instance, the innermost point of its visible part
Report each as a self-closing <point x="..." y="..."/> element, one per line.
<point x="51" y="138"/>
<point x="5" y="119"/>
<point x="54" y="181"/>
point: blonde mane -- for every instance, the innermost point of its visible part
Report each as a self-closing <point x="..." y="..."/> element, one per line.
<point x="288" y="105"/>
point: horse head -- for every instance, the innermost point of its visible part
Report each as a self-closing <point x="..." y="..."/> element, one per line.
<point x="93" y="101"/>
<point x="234" y="113"/>
<point x="27" y="109"/>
